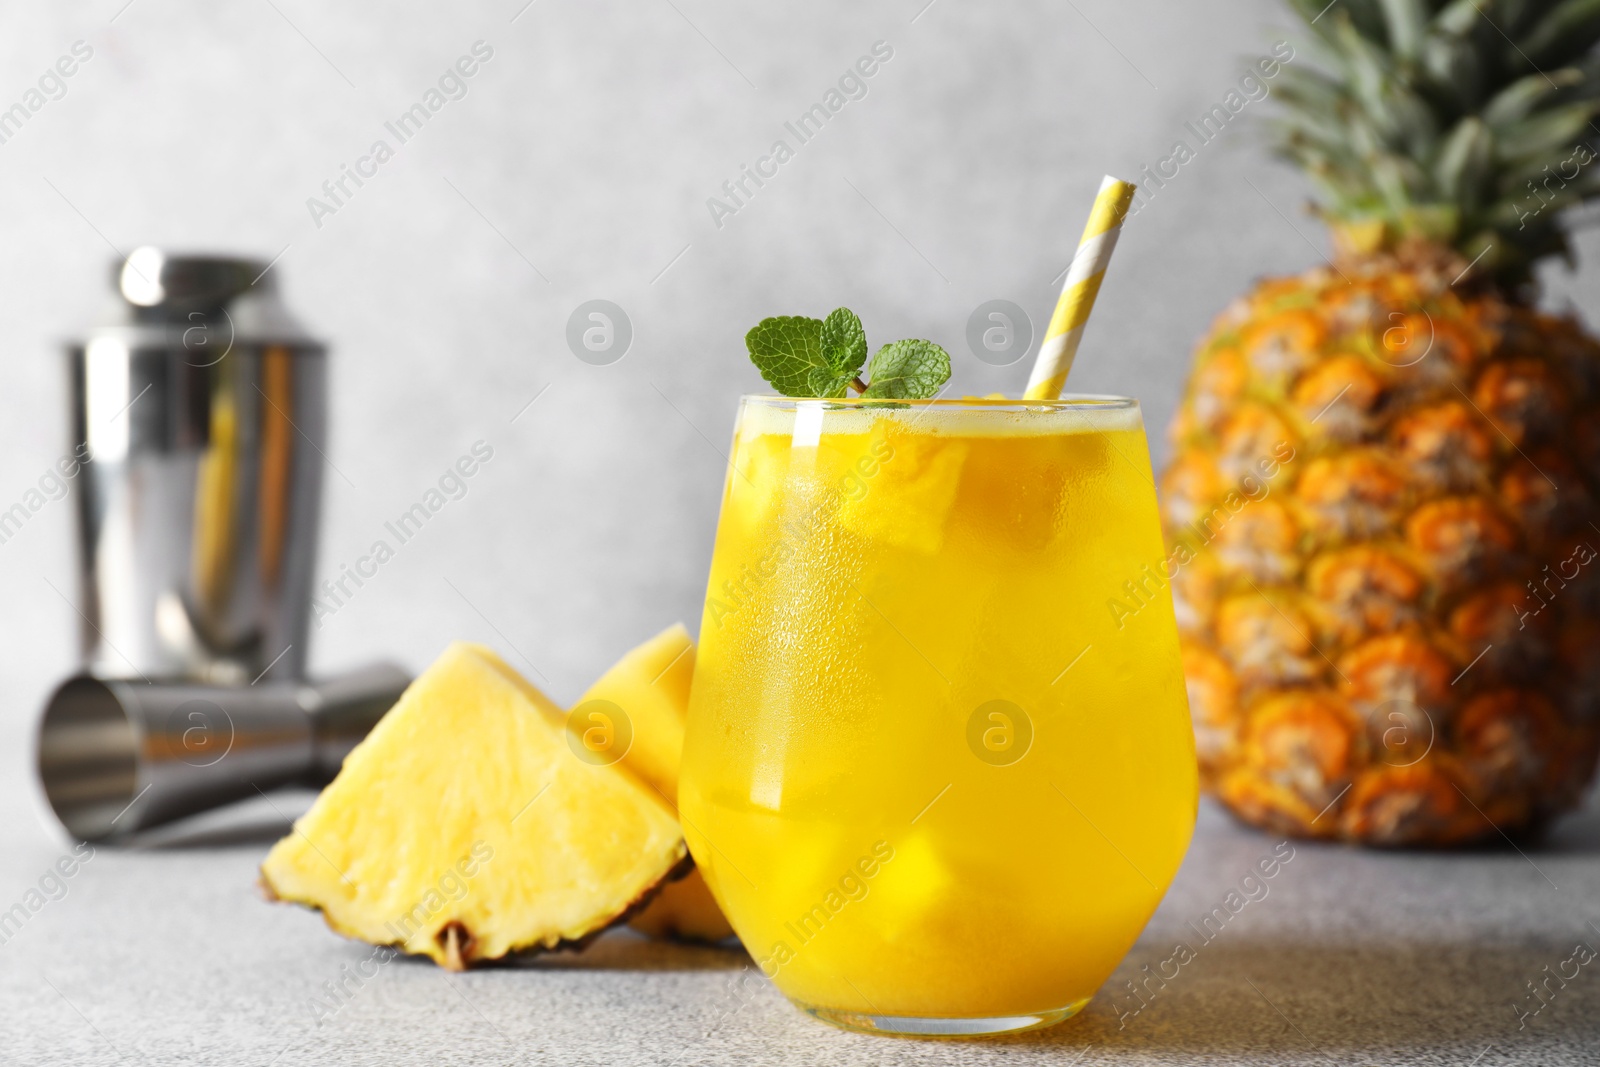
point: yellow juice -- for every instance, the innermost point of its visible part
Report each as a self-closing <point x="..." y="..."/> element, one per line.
<point x="930" y="770"/>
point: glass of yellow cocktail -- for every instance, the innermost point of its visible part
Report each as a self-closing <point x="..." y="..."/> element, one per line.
<point x="939" y="769"/>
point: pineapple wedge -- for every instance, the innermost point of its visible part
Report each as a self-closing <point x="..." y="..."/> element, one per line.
<point x="651" y="685"/>
<point x="465" y="828"/>
<point x="684" y="910"/>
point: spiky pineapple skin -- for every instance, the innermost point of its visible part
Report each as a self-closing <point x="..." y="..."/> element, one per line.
<point x="1382" y="516"/>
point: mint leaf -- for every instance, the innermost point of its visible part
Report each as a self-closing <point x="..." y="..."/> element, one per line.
<point x="844" y="342"/>
<point x="908" y="370"/>
<point x="809" y="357"/>
<point x="787" y="350"/>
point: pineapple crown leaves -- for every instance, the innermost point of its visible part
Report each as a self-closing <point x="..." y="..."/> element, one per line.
<point x="1471" y="123"/>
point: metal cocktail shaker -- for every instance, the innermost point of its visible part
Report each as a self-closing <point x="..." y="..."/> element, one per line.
<point x="199" y="418"/>
<point x="200" y="414"/>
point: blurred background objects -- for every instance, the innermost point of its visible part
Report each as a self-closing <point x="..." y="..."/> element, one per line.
<point x="560" y="172"/>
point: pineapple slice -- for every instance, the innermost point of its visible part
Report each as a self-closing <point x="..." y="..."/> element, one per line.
<point x="651" y="686"/>
<point x="464" y="828"/>
<point x="684" y="910"/>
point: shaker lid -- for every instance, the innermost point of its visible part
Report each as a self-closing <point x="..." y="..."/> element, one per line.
<point x="153" y="278"/>
<point x="165" y="298"/>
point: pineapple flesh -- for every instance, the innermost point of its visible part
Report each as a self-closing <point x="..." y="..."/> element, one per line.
<point x="651" y="686"/>
<point x="1381" y="509"/>
<point x="464" y="827"/>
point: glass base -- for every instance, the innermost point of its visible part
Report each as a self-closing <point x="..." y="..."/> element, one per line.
<point x="943" y="1025"/>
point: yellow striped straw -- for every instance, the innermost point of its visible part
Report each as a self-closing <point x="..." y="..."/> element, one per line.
<point x="1079" y="290"/>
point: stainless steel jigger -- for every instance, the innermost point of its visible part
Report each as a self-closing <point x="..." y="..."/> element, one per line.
<point x="199" y="417"/>
<point x="117" y="756"/>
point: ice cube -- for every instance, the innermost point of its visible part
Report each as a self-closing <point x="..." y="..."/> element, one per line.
<point x="900" y="489"/>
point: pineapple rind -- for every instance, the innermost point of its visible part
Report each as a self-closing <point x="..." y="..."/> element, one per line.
<point x="1411" y="562"/>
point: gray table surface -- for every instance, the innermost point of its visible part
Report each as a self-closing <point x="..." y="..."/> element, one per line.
<point x="168" y="954"/>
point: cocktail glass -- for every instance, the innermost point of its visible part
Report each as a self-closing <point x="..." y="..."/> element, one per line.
<point x="939" y="769"/>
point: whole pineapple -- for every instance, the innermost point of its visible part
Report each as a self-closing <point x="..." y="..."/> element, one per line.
<point x="1382" y="511"/>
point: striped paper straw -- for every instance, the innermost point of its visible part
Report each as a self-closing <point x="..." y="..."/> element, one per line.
<point x="1078" y="292"/>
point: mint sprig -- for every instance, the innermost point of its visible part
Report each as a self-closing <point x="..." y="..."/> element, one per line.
<point x="823" y="358"/>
